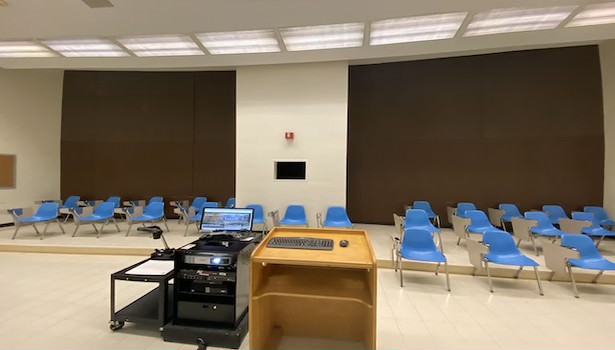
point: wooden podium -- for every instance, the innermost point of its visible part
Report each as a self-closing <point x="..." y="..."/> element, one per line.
<point x="307" y="299"/>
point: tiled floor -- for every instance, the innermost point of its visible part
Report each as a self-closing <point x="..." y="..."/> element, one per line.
<point x="62" y="301"/>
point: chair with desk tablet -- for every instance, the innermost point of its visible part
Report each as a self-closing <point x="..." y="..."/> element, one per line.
<point x="102" y="214"/>
<point x="46" y="213"/>
<point x="153" y="212"/>
<point x="601" y="215"/>
<point x="418" y="245"/>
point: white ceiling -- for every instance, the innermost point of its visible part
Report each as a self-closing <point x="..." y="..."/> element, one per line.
<point x="62" y="19"/>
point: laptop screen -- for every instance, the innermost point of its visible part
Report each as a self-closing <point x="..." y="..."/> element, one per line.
<point x="226" y="219"/>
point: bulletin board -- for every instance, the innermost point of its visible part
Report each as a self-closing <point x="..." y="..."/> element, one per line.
<point x="7" y="171"/>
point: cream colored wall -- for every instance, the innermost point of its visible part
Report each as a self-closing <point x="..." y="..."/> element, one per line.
<point x="309" y="100"/>
<point x="607" y="60"/>
<point x="30" y="123"/>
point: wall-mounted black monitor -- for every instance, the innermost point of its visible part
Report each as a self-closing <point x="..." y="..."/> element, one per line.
<point x="289" y="170"/>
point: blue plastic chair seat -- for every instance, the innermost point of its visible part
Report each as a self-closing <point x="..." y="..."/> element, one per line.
<point x="288" y="221"/>
<point x="434" y="256"/>
<point x="35" y="218"/>
<point x="146" y="217"/>
<point x="511" y="259"/>
<point x="597" y="231"/>
<point x="337" y="223"/>
<point x="607" y="222"/>
<point x="95" y="217"/>
<point x="593" y="263"/>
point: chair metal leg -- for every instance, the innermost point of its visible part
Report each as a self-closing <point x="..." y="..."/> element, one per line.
<point x="66" y="218"/>
<point x="518" y="272"/>
<point x="534" y="245"/>
<point x="401" y="275"/>
<point x="44" y="230"/>
<point x="574" y="283"/>
<point x="129" y="227"/>
<point x="115" y="223"/>
<point x="551" y="275"/>
<point x="17" y="226"/>
<point x="440" y="243"/>
<point x="458" y="240"/>
<point x="438" y="221"/>
<point x="597" y="276"/>
<point x="186" y="231"/>
<point x="437" y="268"/>
<point x="488" y="276"/>
<point x="538" y="281"/>
<point x="38" y="233"/>
<point x="164" y="219"/>
<point x="448" y="282"/>
<point x="599" y="241"/>
<point x="518" y="242"/>
<point x="61" y="227"/>
<point x="76" y="228"/>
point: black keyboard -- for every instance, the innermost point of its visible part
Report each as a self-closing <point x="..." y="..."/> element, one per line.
<point x="301" y="243"/>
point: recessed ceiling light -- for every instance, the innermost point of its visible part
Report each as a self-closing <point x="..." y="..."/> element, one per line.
<point x="246" y="41"/>
<point x="23" y="49"/>
<point x="594" y="14"/>
<point x="517" y="20"/>
<point x="419" y="28"/>
<point x="323" y="37"/>
<point x="86" y="48"/>
<point x="161" y="45"/>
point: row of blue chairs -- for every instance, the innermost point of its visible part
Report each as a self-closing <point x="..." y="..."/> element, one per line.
<point x="336" y="216"/>
<point x="496" y="247"/>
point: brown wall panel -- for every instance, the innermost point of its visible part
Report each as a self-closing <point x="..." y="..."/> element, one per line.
<point x="523" y="127"/>
<point x="133" y="134"/>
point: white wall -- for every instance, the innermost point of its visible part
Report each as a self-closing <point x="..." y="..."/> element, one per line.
<point x="607" y="60"/>
<point x="309" y="100"/>
<point x="30" y="122"/>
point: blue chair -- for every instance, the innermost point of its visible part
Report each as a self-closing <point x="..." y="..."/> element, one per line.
<point x="103" y="213"/>
<point x="71" y="203"/>
<point x="198" y="202"/>
<point x="152" y="213"/>
<point x="156" y="200"/>
<point x="510" y="211"/>
<point x="589" y="257"/>
<point x="115" y="200"/>
<point x="503" y="251"/>
<point x="426" y="206"/>
<point x="545" y="228"/>
<point x="554" y="212"/>
<point x="595" y="230"/>
<point x="463" y="207"/>
<point x="259" y="216"/>
<point x="46" y="213"/>
<point x="601" y="215"/>
<point x="480" y="222"/>
<point x="231" y="202"/>
<point x="418" y="219"/>
<point x="336" y="217"/>
<point x="418" y="245"/>
<point x="294" y="216"/>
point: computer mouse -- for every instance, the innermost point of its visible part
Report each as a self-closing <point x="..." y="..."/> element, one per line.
<point x="343" y="243"/>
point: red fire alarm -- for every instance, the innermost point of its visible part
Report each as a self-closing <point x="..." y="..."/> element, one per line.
<point x="289" y="135"/>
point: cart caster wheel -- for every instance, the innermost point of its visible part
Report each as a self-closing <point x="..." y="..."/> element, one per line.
<point x="201" y="344"/>
<point x="115" y="325"/>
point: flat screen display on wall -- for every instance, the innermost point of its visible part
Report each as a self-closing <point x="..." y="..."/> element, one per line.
<point x="289" y="170"/>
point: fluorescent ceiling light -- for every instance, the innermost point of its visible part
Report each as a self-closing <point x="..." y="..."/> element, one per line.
<point x="246" y="41"/>
<point x="23" y="49"/>
<point x="323" y="37"/>
<point x="86" y="48"/>
<point x="594" y="14"/>
<point x="162" y="45"/>
<point x="419" y="28"/>
<point x="517" y="20"/>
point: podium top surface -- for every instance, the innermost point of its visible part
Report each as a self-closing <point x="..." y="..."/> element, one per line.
<point x="358" y="254"/>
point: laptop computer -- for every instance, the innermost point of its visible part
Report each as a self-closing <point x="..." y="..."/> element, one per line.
<point x="226" y="220"/>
